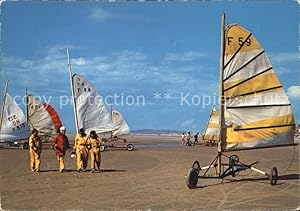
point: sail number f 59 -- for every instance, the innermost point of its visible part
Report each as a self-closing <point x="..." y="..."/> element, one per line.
<point x="240" y="40"/>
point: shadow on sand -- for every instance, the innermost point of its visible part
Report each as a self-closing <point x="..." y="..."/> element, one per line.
<point x="258" y="180"/>
<point x="72" y="170"/>
<point x="112" y="170"/>
<point x="119" y="149"/>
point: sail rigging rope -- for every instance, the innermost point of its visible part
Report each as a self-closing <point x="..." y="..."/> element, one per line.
<point x="290" y="163"/>
<point x="287" y="168"/>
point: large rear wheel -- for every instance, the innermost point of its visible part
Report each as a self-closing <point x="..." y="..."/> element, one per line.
<point x="192" y="178"/>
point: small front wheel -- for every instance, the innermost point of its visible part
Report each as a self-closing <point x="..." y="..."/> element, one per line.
<point x="102" y="148"/>
<point x="273" y="176"/>
<point x="192" y="178"/>
<point x="25" y="145"/>
<point x="130" y="147"/>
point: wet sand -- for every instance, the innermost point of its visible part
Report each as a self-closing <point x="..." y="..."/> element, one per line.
<point x="150" y="177"/>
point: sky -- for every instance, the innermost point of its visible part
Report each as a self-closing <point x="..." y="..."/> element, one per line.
<point x="156" y="62"/>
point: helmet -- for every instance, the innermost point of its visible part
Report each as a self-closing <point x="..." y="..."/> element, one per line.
<point x="93" y="134"/>
<point x="82" y="132"/>
<point x="73" y="155"/>
<point x="62" y="128"/>
<point x="34" y="131"/>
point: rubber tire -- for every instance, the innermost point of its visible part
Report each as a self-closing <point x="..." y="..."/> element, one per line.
<point x="102" y="148"/>
<point x="25" y="145"/>
<point x="196" y="165"/>
<point x="273" y="176"/>
<point x="192" y="178"/>
<point x="130" y="147"/>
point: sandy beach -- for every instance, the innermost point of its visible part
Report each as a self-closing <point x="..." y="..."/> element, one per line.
<point x="150" y="177"/>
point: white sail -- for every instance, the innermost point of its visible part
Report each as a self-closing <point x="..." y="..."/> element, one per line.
<point x="39" y="118"/>
<point x="14" y="125"/>
<point x="257" y="110"/>
<point x="91" y="111"/>
<point x="212" y="131"/>
<point x="119" y="123"/>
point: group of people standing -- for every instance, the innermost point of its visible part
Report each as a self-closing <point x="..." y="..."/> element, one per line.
<point x="83" y="146"/>
<point x="186" y="139"/>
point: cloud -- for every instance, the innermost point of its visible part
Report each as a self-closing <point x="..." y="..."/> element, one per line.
<point x="187" y="123"/>
<point x="125" y="72"/>
<point x="283" y="58"/>
<point x="80" y="61"/>
<point x="101" y="15"/>
<point x="184" y="57"/>
<point x="44" y="75"/>
<point x="111" y="73"/>
<point x="285" y="62"/>
<point x="294" y="92"/>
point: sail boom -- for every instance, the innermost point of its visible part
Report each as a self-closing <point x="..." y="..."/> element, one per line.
<point x="264" y="127"/>
<point x="257" y="106"/>
<point x="261" y="147"/>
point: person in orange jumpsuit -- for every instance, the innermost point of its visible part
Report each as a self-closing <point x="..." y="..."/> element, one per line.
<point x="94" y="142"/>
<point x="35" y="149"/>
<point x="80" y="147"/>
<point x="60" y="144"/>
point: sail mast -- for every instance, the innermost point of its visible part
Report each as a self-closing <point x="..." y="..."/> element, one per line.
<point x="3" y="104"/>
<point x="72" y="90"/>
<point x="111" y="117"/>
<point x="221" y="97"/>
<point x="26" y="105"/>
<point x="27" y="109"/>
<point x="111" y="110"/>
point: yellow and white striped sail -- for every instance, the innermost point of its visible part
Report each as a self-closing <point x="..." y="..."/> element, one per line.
<point x="212" y="131"/>
<point x="257" y="110"/>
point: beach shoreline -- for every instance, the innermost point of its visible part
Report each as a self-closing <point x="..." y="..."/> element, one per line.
<point x="147" y="178"/>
